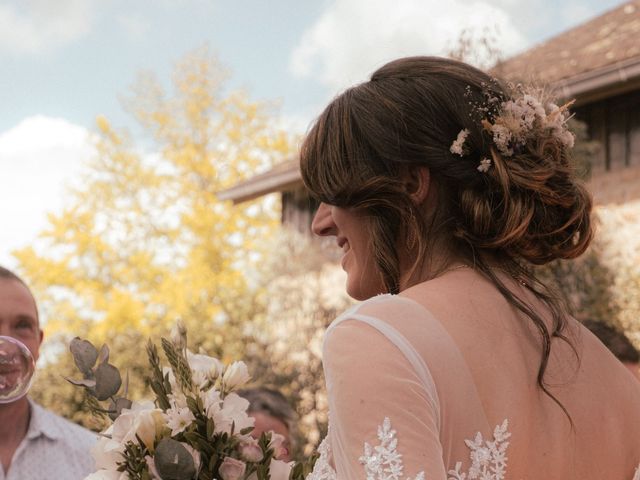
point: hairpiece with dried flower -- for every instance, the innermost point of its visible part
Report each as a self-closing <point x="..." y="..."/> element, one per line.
<point x="512" y="123"/>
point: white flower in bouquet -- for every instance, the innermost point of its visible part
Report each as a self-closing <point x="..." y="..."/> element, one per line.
<point x="232" y="413"/>
<point x="107" y="452"/>
<point x="204" y="368"/>
<point x="232" y="469"/>
<point x="142" y="421"/>
<point x="178" y="419"/>
<point x="211" y="400"/>
<point x="235" y="376"/>
<point x="177" y="400"/>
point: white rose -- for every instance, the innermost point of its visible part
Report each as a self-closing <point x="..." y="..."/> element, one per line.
<point x="142" y="420"/>
<point x="235" y="375"/>
<point x="232" y="469"/>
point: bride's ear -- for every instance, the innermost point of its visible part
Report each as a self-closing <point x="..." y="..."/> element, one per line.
<point x="417" y="183"/>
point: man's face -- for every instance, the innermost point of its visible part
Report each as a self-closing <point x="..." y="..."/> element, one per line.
<point x="19" y="316"/>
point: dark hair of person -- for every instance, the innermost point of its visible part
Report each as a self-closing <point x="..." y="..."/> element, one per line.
<point x="9" y="275"/>
<point x="615" y="340"/>
<point x="272" y="403"/>
<point x="526" y="209"/>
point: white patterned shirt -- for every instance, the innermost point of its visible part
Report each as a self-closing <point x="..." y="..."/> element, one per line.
<point x="53" y="448"/>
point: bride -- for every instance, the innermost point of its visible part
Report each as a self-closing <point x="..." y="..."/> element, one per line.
<point x="442" y="188"/>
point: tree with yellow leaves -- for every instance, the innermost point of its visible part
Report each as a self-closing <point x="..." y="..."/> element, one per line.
<point x="145" y="241"/>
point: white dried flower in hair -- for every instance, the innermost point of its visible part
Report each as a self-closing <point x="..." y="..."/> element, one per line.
<point x="502" y="138"/>
<point x="457" y="147"/>
<point x="485" y="165"/>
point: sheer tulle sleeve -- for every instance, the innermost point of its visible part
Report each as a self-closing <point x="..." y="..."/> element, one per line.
<point x="384" y="409"/>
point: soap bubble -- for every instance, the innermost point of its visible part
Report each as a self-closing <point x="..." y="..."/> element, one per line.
<point x="16" y="369"/>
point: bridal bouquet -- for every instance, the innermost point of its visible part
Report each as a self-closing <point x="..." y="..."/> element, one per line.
<point x="195" y="428"/>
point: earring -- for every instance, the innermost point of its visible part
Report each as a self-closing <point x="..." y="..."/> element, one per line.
<point x="412" y="236"/>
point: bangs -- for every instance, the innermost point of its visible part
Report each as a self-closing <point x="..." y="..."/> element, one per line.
<point x="336" y="158"/>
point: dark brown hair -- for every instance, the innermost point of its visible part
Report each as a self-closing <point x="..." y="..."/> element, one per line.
<point x="526" y="209"/>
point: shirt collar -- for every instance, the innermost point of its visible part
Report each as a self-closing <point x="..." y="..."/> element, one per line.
<point x="42" y="422"/>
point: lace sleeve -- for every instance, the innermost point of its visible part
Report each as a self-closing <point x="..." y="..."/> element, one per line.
<point x="370" y="378"/>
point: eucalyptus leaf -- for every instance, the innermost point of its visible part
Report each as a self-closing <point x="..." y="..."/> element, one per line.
<point x="115" y="408"/>
<point x="84" y="354"/>
<point x="173" y="461"/>
<point x="103" y="356"/>
<point x="90" y="384"/>
<point x="108" y="381"/>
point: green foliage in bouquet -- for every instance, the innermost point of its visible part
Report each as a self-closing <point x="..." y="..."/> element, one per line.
<point x="196" y="428"/>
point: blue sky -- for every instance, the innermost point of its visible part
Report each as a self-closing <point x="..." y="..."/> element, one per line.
<point x="63" y="62"/>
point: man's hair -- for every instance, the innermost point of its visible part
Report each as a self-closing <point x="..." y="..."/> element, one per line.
<point x="9" y="275"/>
<point x="614" y="340"/>
<point x="270" y="402"/>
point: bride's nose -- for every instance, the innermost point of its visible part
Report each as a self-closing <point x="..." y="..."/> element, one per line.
<point x="322" y="224"/>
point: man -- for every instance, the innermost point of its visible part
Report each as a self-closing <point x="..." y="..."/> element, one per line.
<point x="618" y="343"/>
<point x="35" y="443"/>
<point x="272" y="413"/>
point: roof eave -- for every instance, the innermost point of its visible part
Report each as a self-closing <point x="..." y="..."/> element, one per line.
<point x="258" y="187"/>
<point x="600" y="83"/>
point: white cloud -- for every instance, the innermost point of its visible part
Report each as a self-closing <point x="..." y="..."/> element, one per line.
<point x="35" y="26"/>
<point x="354" y="37"/>
<point x="39" y="159"/>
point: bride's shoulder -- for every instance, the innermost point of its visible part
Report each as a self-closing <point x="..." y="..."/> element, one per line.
<point x="385" y="308"/>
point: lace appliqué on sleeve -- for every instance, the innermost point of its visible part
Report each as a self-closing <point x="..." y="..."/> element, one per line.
<point x="322" y="470"/>
<point x="488" y="458"/>
<point x="383" y="462"/>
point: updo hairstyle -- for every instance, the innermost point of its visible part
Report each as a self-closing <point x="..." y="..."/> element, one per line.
<point x="526" y="208"/>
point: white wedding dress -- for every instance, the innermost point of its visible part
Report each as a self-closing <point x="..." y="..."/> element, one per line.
<point x="412" y="400"/>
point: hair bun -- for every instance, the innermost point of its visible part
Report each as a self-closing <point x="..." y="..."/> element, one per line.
<point x="534" y="208"/>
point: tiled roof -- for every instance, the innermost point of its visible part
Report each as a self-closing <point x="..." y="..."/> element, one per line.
<point x="606" y="41"/>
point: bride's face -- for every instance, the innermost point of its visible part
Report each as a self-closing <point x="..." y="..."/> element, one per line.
<point x="353" y="238"/>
